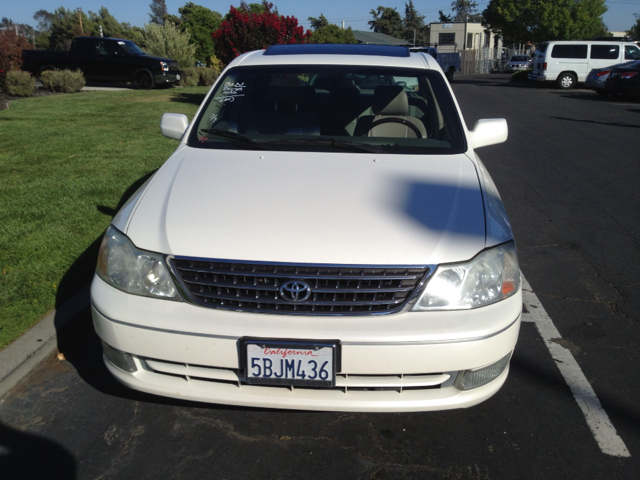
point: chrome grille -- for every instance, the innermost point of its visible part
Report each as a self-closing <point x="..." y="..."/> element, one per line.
<point x="335" y="290"/>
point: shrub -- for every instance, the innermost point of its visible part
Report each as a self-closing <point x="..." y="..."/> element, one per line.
<point x="190" y="77"/>
<point x="215" y="62"/>
<point x="65" y="81"/>
<point x="243" y="31"/>
<point x="207" y="76"/>
<point x="169" y="42"/>
<point x="11" y="46"/>
<point x="20" y="84"/>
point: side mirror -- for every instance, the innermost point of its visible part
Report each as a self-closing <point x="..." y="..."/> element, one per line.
<point x="489" y="131"/>
<point x="173" y="125"/>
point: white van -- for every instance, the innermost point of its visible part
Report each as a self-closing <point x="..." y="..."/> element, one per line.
<point x="569" y="62"/>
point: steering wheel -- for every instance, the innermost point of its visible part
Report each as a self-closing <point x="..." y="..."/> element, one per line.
<point x="402" y="121"/>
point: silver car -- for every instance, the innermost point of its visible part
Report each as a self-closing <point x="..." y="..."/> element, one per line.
<point x="598" y="77"/>
<point x="517" y="63"/>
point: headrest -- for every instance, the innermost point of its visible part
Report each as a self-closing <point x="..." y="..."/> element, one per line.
<point x="390" y="100"/>
<point x="285" y="89"/>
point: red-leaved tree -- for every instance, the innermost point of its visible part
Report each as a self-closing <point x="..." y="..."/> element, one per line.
<point x="11" y="46"/>
<point x="243" y="31"/>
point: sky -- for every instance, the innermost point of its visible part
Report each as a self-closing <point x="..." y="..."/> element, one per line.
<point x="355" y="13"/>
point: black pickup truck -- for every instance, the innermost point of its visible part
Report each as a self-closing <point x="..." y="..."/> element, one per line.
<point x="106" y="59"/>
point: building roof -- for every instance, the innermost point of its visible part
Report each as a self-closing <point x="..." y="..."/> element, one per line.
<point x="378" y="38"/>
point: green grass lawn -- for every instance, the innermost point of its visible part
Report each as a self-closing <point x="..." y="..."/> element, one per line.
<point x="67" y="162"/>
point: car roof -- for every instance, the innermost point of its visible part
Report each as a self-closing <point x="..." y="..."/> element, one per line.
<point x="336" y="54"/>
<point x="572" y="42"/>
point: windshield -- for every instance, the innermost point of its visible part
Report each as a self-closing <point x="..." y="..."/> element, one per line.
<point x="519" y="58"/>
<point x="130" y="48"/>
<point x="330" y="108"/>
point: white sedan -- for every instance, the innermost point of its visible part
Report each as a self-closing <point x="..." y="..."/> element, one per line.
<point x="324" y="237"/>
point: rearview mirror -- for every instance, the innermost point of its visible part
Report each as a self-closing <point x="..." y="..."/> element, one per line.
<point x="489" y="131"/>
<point x="173" y="125"/>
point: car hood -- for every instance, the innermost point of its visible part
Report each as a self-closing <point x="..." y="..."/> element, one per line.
<point x="311" y="208"/>
<point x="159" y="59"/>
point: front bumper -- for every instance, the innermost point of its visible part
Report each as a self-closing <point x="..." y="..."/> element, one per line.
<point x="190" y="352"/>
<point x="167" y="78"/>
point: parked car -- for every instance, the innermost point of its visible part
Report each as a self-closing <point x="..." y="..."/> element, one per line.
<point x="625" y="80"/>
<point x="569" y="62"/>
<point x="517" y="63"/>
<point x="314" y="244"/>
<point x="106" y="59"/>
<point x="597" y="78"/>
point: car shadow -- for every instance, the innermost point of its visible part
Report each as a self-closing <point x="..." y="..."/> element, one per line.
<point x="192" y="98"/>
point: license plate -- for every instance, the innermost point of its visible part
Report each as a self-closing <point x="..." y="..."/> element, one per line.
<point x="276" y="362"/>
<point x="177" y="76"/>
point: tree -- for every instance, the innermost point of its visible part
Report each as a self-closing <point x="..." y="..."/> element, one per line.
<point x="388" y="21"/>
<point x="319" y="22"/>
<point x="465" y="11"/>
<point x="43" y="33"/>
<point x="243" y="31"/>
<point x="65" y="25"/>
<point x="634" y="31"/>
<point x="158" y="11"/>
<point x="414" y="27"/>
<point x="11" y="46"/>
<point x="540" y="20"/>
<point x="169" y="42"/>
<point x="199" y="22"/>
<point x="444" y="18"/>
<point x="110" y="26"/>
<point x="331" y="33"/>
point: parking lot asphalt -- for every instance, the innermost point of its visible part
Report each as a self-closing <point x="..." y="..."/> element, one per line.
<point x="568" y="177"/>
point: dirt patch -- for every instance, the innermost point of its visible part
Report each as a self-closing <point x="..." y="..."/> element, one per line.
<point x="6" y="98"/>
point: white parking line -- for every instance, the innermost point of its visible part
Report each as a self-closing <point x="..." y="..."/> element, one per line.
<point x="597" y="419"/>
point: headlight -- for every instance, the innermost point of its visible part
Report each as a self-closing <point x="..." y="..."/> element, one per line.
<point x="491" y="276"/>
<point x="123" y="266"/>
<point x="164" y="66"/>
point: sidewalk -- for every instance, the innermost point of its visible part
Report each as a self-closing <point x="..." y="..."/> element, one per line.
<point x="19" y="358"/>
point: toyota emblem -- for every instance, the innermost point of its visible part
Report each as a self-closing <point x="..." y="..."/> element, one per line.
<point x="295" y="291"/>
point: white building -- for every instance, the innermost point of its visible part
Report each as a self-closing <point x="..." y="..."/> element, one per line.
<point x="457" y="36"/>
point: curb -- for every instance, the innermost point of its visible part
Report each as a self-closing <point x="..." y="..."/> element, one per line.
<point x="21" y="356"/>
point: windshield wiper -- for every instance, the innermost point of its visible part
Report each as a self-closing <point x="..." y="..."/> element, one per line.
<point x="344" y="144"/>
<point x="235" y="138"/>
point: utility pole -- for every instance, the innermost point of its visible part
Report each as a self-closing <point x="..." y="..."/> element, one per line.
<point x="80" y="17"/>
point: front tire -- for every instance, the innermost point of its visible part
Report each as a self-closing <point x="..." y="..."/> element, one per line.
<point x="566" y="81"/>
<point x="449" y="75"/>
<point x="143" y="79"/>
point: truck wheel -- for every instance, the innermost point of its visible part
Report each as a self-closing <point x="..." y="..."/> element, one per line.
<point x="566" y="81"/>
<point x="143" y="79"/>
<point x="48" y="68"/>
<point x="449" y="75"/>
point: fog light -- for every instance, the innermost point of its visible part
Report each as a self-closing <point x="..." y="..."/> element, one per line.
<point x="122" y="360"/>
<point x="470" y="379"/>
